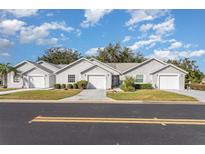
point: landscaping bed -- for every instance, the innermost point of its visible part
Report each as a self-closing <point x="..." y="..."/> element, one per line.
<point x="150" y="95"/>
<point x="41" y="94"/>
<point x="197" y="86"/>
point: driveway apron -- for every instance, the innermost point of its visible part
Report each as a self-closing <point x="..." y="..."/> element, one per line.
<point x="89" y="94"/>
<point x="199" y="95"/>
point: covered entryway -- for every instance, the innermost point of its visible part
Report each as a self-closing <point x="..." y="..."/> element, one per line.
<point x="96" y="81"/>
<point x="169" y="82"/>
<point x="36" y="82"/>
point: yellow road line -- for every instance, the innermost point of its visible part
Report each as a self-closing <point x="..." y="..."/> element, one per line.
<point x="119" y="120"/>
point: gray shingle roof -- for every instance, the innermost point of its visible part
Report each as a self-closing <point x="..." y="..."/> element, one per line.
<point x="122" y="66"/>
<point x="41" y="67"/>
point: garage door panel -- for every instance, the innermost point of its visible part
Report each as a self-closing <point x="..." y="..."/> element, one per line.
<point x="96" y="82"/>
<point x="36" y="82"/>
<point x="169" y="82"/>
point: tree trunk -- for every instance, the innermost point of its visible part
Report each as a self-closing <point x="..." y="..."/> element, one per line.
<point x="5" y="80"/>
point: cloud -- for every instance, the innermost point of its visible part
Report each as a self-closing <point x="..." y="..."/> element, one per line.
<point x="78" y="32"/>
<point x="147" y="42"/>
<point x="197" y="53"/>
<point x="92" y="52"/>
<point x="5" y="54"/>
<point x="40" y="34"/>
<point x="93" y="17"/>
<point x="175" y="45"/>
<point x="163" y="28"/>
<point x="22" y="12"/>
<point x="5" y="43"/>
<point x="144" y="15"/>
<point x="167" y="54"/>
<point x="10" y="27"/>
<point x="145" y="27"/>
<point x="49" y="14"/>
<point x="50" y="41"/>
<point x="127" y="38"/>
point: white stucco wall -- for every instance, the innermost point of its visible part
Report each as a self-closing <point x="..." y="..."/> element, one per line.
<point x="99" y="71"/>
<point x="49" y="66"/>
<point x="21" y="68"/>
<point x="169" y="70"/>
<point x="24" y="80"/>
<point x="144" y="70"/>
<point x="106" y="67"/>
<point x="76" y="69"/>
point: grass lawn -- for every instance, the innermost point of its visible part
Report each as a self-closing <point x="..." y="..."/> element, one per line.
<point x="150" y="95"/>
<point x="7" y="89"/>
<point x="41" y="94"/>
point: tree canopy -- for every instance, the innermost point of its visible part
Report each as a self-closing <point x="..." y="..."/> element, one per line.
<point x="60" y="55"/>
<point x="4" y="70"/>
<point x="194" y="74"/>
<point x="115" y="53"/>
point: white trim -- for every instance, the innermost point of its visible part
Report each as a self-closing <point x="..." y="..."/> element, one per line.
<point x="146" y="61"/>
<point x="96" y="74"/>
<point x="167" y="74"/>
<point x="168" y="65"/>
<point x="144" y="78"/>
<point x="92" y="67"/>
<point x="72" y="64"/>
<point x="105" y="65"/>
<point x="41" y="61"/>
<point x="36" y="75"/>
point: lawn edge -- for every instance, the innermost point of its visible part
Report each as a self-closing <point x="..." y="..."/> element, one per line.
<point x="101" y="102"/>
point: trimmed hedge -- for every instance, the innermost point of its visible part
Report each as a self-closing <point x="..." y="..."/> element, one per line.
<point x="63" y="86"/>
<point x="70" y="86"/>
<point x="75" y="86"/>
<point x="82" y="84"/>
<point x="143" y="86"/>
<point x="197" y="86"/>
<point x="57" y="86"/>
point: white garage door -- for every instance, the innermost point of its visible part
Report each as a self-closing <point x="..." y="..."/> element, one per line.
<point x="169" y="82"/>
<point x="96" y="82"/>
<point x="36" y="82"/>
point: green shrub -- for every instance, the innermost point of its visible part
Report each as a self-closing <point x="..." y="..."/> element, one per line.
<point x="143" y="86"/>
<point x="128" y="84"/>
<point x="197" y="86"/>
<point x="57" y="86"/>
<point x="70" y="86"/>
<point x="63" y="86"/>
<point x="75" y="86"/>
<point x="127" y="88"/>
<point x="82" y="84"/>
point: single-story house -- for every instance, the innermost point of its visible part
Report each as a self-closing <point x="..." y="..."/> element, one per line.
<point x="99" y="75"/>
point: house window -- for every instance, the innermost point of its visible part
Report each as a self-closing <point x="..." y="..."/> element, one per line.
<point x="16" y="78"/>
<point x="140" y="78"/>
<point x="71" y="78"/>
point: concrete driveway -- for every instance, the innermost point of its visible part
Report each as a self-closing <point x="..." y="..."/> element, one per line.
<point x="89" y="94"/>
<point x="199" y="95"/>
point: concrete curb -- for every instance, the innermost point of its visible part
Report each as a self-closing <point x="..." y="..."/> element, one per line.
<point x="101" y="101"/>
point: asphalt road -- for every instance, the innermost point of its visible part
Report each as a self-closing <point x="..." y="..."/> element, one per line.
<point x="16" y="129"/>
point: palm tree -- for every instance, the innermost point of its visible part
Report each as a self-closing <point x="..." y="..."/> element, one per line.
<point x="4" y="70"/>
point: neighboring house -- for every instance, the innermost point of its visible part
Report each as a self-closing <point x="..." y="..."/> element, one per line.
<point x="203" y="81"/>
<point x="1" y="82"/>
<point x="99" y="75"/>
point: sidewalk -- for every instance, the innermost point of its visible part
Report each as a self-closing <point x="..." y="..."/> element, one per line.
<point x="20" y="90"/>
<point x="110" y="101"/>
